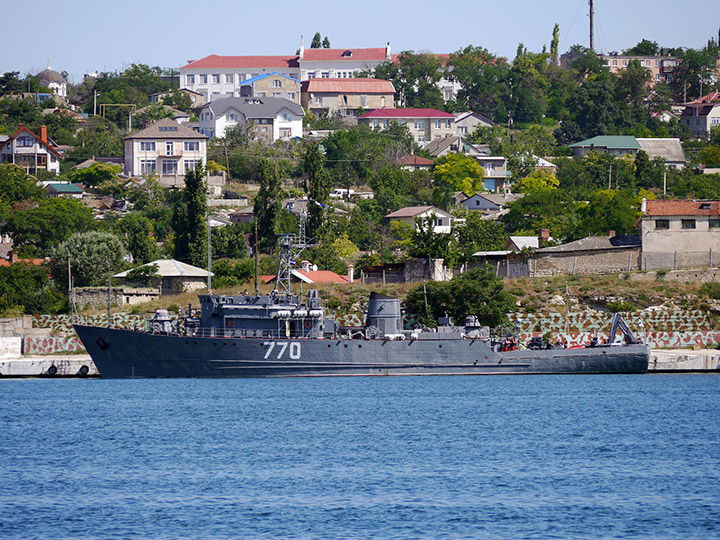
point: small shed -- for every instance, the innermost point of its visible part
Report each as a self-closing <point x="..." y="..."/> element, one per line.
<point x="175" y="276"/>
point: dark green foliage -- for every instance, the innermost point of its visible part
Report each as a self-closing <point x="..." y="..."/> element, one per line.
<point x="139" y="238"/>
<point x="230" y="242"/>
<point x="27" y="288"/>
<point x="553" y="209"/>
<point x="477" y="234"/>
<point x="95" y="175"/>
<point x="16" y="186"/>
<point x="268" y="204"/>
<point x="609" y="210"/>
<point x="318" y="186"/>
<point x="415" y="78"/>
<point x="144" y="276"/>
<point x="644" y="48"/>
<point x="428" y="244"/>
<point x="190" y="220"/>
<point x="231" y="273"/>
<point x="620" y="306"/>
<point x="711" y="290"/>
<point x="47" y="223"/>
<point x="479" y="293"/>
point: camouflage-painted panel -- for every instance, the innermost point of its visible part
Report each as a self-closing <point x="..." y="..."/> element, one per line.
<point x="594" y="321"/>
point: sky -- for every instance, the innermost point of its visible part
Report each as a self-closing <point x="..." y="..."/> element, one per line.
<point x="81" y="36"/>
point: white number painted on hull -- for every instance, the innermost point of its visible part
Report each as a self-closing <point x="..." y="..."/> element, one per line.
<point x="294" y="352"/>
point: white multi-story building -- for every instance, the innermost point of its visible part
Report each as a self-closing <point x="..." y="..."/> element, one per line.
<point x="32" y="152"/>
<point x="271" y="118"/>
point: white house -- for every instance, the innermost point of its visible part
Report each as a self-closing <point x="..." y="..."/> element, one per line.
<point x="165" y="148"/>
<point x="442" y="220"/>
<point x="32" y="152"/>
<point x="272" y="118"/>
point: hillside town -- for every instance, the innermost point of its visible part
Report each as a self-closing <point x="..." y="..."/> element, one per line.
<point x="396" y="167"/>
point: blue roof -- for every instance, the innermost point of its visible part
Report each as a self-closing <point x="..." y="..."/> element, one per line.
<point x="262" y="76"/>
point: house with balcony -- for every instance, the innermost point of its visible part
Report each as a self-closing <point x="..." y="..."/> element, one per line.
<point x="271" y="119"/>
<point x="166" y="149"/>
<point x="344" y="97"/>
<point x="34" y="153"/>
<point x="467" y="122"/>
<point x="424" y="125"/>
<point x="701" y="115"/>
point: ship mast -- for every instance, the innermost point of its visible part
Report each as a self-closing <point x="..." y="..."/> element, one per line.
<point x="290" y="251"/>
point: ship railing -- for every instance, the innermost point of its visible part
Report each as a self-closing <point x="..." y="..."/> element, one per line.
<point x="228" y="333"/>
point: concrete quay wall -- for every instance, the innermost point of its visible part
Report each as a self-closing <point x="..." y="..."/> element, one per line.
<point x="73" y="365"/>
<point x="675" y="360"/>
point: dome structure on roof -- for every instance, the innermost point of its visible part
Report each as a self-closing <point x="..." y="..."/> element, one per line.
<point x="53" y="80"/>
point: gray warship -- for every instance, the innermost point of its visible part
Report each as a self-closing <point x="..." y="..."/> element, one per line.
<point x="282" y="334"/>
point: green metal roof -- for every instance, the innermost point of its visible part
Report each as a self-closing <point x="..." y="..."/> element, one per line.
<point x="66" y="188"/>
<point x="609" y="141"/>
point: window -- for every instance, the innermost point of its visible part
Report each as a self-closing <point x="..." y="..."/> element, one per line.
<point x="147" y="146"/>
<point x="277" y="83"/>
<point x="657" y="63"/>
<point x="192" y="164"/>
<point x="325" y="74"/>
<point x="462" y="130"/>
<point x="25" y="141"/>
<point x="285" y="117"/>
<point x="419" y="124"/>
<point x="318" y="100"/>
<point x="203" y="79"/>
<point x="291" y="96"/>
<point x="363" y="101"/>
<point x="168" y="128"/>
<point x="191" y="79"/>
<point x="285" y="133"/>
<point x="276" y="94"/>
<point x="386" y="123"/>
<point x="438" y="124"/>
<point x="447" y="124"/>
<point x="376" y="123"/>
<point x="229" y="78"/>
<point x="192" y="146"/>
<point x="624" y="63"/>
<point x="311" y="75"/>
<point x="714" y="223"/>
<point x="231" y="117"/>
<point x="169" y="148"/>
<point x="147" y="166"/>
<point x="614" y="62"/>
<point x="688" y="223"/>
<point x="169" y="166"/>
<point x="662" y="224"/>
<point x="216" y="79"/>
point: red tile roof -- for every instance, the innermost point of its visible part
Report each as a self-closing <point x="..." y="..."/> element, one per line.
<point x="333" y="55"/>
<point x="35" y="262"/>
<point x="349" y="86"/>
<point x="415" y="161"/>
<point x="712" y="97"/>
<point x="229" y="62"/>
<point x="662" y="207"/>
<point x="323" y="276"/>
<point x="407" y="113"/>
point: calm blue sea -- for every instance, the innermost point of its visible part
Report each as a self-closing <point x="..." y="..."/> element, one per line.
<point x="404" y="457"/>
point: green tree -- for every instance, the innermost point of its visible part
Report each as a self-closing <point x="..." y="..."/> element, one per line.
<point x="325" y="43"/>
<point x="458" y="172"/>
<point x="415" y="77"/>
<point x="318" y="186"/>
<point x="268" y="204"/>
<point x="427" y="243"/>
<point x="26" y="288"/>
<point x="696" y="67"/>
<point x="538" y="180"/>
<point x="479" y="293"/>
<point x="95" y="175"/>
<point x="139" y="237"/>
<point x="553" y="209"/>
<point x="555" y="44"/>
<point x="47" y="223"/>
<point x="484" y="80"/>
<point x="610" y="210"/>
<point x="92" y="256"/>
<point x="229" y="242"/>
<point x="316" y="41"/>
<point x="16" y="186"/>
<point x="190" y="220"/>
<point x="477" y="234"/>
<point x="643" y="48"/>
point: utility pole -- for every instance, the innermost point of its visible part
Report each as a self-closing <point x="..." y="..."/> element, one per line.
<point x="592" y="13"/>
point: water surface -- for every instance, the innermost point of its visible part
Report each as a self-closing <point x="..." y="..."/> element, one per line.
<point x="609" y="456"/>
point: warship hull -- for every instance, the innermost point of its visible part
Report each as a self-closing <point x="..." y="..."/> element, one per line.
<point x="122" y="353"/>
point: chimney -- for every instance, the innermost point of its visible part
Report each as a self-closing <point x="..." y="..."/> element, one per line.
<point x="544" y="235"/>
<point x="302" y="48"/>
<point x="43" y="134"/>
<point x="13" y="256"/>
<point x="611" y="234"/>
<point x="305" y="266"/>
<point x="388" y="56"/>
<point x="351" y="271"/>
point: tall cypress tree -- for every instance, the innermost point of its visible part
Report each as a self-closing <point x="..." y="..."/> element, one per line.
<point x="267" y="203"/>
<point x="318" y="187"/>
<point x="190" y="220"/>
